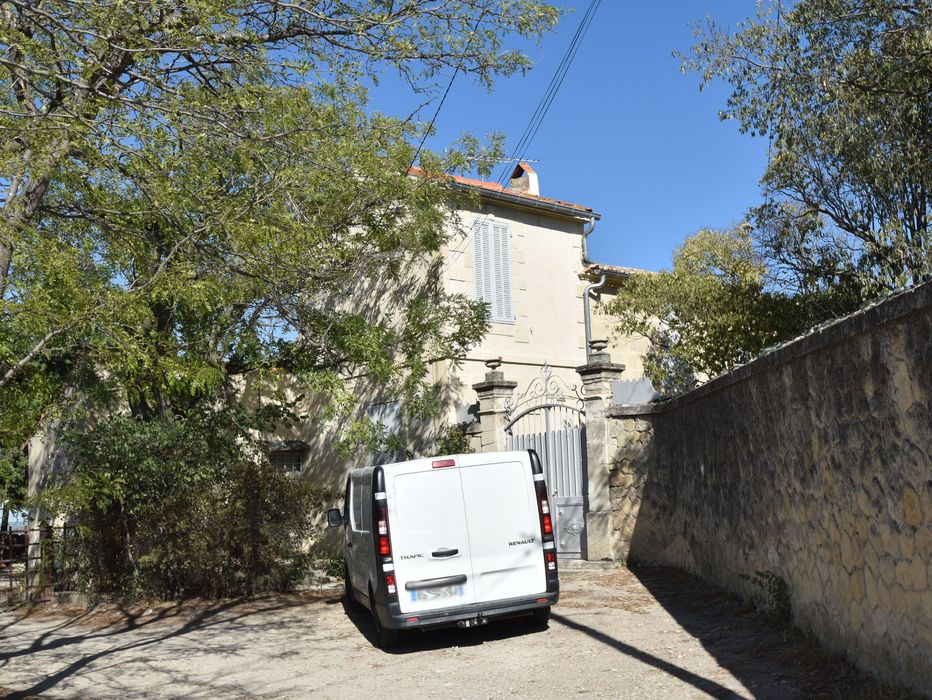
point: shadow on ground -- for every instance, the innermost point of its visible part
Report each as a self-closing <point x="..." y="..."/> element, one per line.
<point x="704" y="684"/>
<point x="770" y="660"/>
<point x="413" y="641"/>
<point x="167" y="622"/>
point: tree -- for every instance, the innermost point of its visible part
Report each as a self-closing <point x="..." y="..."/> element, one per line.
<point x="184" y="507"/>
<point x="709" y="313"/>
<point x="842" y="90"/>
<point x="191" y="196"/>
<point x="199" y="201"/>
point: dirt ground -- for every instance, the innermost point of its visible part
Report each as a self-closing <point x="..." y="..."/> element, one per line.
<point x="655" y="633"/>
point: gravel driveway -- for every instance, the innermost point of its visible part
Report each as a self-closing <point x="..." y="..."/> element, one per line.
<point x="616" y="634"/>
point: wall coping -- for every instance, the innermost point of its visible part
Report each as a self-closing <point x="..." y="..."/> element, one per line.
<point x="892" y="308"/>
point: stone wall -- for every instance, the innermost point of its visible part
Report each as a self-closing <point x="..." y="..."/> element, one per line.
<point x="812" y="465"/>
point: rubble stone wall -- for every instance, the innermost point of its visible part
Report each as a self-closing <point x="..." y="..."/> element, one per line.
<point x="804" y="480"/>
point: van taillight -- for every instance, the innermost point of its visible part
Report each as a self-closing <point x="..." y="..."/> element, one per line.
<point x="381" y="518"/>
<point x="440" y="463"/>
<point x="546" y="524"/>
<point x="385" y="544"/>
<point x="543" y="509"/>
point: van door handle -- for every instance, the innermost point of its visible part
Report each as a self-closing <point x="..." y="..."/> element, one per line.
<point x="444" y="552"/>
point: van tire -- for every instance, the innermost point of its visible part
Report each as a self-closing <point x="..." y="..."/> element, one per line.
<point x="540" y="616"/>
<point x="385" y="638"/>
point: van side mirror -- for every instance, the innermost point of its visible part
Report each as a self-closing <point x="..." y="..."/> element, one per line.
<point x="334" y="518"/>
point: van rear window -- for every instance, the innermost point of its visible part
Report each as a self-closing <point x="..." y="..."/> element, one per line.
<point x="428" y="501"/>
<point x="500" y="493"/>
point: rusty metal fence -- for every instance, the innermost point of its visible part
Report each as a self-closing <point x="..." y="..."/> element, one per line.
<point x="35" y="563"/>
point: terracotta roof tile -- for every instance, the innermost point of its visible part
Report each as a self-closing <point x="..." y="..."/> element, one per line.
<point x="495" y="187"/>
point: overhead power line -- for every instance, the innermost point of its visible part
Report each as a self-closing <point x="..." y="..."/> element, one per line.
<point x="556" y="81"/>
<point x="537" y="118"/>
<point x="446" y="92"/>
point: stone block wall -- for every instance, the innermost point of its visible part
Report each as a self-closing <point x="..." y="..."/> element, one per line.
<point x="812" y="464"/>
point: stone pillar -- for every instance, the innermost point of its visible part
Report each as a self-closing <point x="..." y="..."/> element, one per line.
<point x="493" y="392"/>
<point x="597" y="377"/>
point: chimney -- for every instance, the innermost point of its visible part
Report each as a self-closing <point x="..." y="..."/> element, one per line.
<point x="524" y="179"/>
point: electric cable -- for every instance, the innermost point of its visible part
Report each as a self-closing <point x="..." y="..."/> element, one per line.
<point x="446" y="92"/>
<point x="534" y="123"/>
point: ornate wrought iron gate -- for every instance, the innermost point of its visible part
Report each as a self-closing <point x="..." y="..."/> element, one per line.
<point x="549" y="418"/>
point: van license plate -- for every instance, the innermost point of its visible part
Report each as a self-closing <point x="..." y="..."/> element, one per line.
<point x="437" y="593"/>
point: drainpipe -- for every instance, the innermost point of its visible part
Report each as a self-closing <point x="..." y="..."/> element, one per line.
<point x="585" y="237"/>
<point x="586" y="232"/>
<point x="586" y="312"/>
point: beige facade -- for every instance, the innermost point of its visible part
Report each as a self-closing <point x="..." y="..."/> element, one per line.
<point x="546" y="255"/>
<point x="543" y="273"/>
<point x="549" y="275"/>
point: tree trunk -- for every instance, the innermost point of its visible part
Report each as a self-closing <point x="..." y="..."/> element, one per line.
<point x="20" y="208"/>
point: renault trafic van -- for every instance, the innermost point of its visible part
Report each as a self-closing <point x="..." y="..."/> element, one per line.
<point x="456" y="540"/>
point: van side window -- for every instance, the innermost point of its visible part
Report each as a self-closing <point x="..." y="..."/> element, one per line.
<point x="356" y="505"/>
<point x="365" y="497"/>
<point x="346" y="500"/>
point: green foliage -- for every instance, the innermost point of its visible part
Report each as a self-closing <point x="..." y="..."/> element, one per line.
<point x="772" y="597"/>
<point x="334" y="566"/>
<point x="841" y="89"/>
<point x="185" y="506"/>
<point x="709" y="313"/>
<point x="454" y="440"/>
<point x="194" y="195"/>
<point x="198" y="201"/>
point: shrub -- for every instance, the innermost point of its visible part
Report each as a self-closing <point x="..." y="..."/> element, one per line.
<point x="186" y="506"/>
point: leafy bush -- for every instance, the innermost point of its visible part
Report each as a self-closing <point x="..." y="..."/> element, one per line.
<point x="454" y="440"/>
<point x="186" y="506"/>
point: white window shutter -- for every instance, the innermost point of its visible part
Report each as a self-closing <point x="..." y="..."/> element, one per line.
<point x="482" y="260"/>
<point x="503" y="273"/>
<point x="492" y="268"/>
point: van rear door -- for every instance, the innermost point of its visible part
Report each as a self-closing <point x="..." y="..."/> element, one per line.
<point x="503" y="526"/>
<point x="430" y="546"/>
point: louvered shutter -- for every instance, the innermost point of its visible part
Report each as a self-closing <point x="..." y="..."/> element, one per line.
<point x="502" y="246"/>
<point x="482" y="264"/>
<point x="492" y="269"/>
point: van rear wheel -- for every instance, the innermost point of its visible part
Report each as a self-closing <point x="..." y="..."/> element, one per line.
<point x="385" y="638"/>
<point x="540" y="616"/>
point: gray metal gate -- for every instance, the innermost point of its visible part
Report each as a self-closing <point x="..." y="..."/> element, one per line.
<point x="548" y="417"/>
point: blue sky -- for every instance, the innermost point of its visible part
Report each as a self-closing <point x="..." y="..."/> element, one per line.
<point x="628" y="134"/>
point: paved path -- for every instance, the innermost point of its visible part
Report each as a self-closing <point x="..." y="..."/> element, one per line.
<point x="657" y="634"/>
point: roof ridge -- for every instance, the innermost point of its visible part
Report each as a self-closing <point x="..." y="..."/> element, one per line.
<point x="497" y="187"/>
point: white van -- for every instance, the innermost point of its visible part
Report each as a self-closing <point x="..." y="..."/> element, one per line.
<point x="452" y="540"/>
